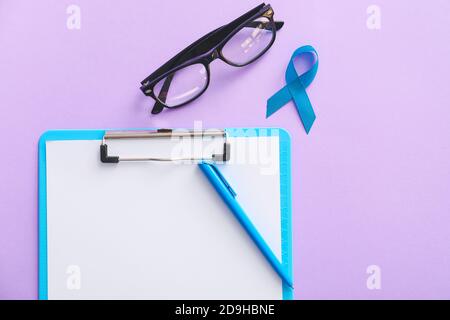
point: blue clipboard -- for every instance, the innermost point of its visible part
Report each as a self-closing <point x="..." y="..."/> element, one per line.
<point x="285" y="194"/>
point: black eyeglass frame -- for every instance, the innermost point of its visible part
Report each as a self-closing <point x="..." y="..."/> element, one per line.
<point x="204" y="51"/>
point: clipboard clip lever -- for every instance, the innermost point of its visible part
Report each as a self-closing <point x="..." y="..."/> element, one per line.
<point x="163" y="133"/>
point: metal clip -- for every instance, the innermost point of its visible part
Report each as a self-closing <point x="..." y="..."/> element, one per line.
<point x="163" y="133"/>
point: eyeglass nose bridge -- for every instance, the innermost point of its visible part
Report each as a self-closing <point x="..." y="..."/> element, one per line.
<point x="212" y="56"/>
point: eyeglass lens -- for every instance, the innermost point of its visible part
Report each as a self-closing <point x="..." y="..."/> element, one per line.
<point x="182" y="85"/>
<point x="249" y="42"/>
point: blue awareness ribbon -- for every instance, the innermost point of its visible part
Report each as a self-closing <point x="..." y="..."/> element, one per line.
<point x="295" y="89"/>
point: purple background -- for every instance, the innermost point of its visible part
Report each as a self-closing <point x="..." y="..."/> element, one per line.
<point x="370" y="183"/>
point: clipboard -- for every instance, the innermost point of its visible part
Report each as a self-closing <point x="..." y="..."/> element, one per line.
<point x="54" y="225"/>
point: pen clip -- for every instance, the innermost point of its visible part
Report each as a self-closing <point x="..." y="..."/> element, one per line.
<point x="222" y="178"/>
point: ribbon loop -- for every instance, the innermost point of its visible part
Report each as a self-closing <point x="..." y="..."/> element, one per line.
<point x="295" y="89"/>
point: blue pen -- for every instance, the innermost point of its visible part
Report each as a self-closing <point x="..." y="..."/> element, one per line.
<point x="228" y="195"/>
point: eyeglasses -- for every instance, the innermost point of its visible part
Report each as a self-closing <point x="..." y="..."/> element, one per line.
<point x="186" y="76"/>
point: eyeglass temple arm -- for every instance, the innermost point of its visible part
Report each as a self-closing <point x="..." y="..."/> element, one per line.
<point x="279" y="25"/>
<point x="162" y="96"/>
<point x="267" y="25"/>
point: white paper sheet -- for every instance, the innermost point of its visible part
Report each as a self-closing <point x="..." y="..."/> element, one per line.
<point x="159" y="230"/>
